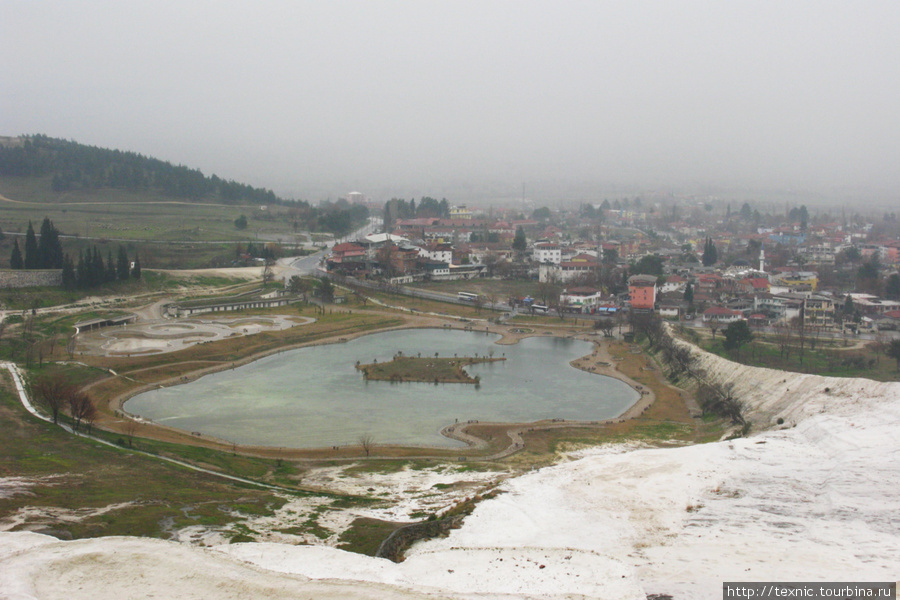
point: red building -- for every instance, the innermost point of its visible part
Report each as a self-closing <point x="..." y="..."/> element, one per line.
<point x="642" y="292"/>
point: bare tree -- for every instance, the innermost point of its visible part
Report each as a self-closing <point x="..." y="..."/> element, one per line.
<point x="713" y="326"/>
<point x="367" y="442"/>
<point x="70" y="347"/>
<point x="605" y="325"/>
<point x="131" y="427"/>
<point x="90" y="416"/>
<point x="81" y="408"/>
<point x="55" y="393"/>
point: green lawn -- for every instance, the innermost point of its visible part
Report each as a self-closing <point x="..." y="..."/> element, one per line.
<point x="149" y="497"/>
<point x="828" y="358"/>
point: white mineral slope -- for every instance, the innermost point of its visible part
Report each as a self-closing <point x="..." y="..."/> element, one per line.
<point x="814" y="500"/>
<point x="37" y="566"/>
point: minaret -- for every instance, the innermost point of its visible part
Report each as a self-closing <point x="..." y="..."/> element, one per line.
<point x="762" y="259"/>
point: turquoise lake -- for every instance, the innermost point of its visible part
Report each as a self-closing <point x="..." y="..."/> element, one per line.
<point x="315" y="397"/>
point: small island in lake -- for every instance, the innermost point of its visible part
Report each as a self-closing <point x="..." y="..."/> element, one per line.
<point x="428" y="370"/>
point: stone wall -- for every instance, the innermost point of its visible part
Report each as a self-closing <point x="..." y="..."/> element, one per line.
<point x="22" y="278"/>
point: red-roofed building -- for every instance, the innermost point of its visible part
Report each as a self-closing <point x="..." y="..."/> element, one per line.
<point x="755" y="284"/>
<point x="347" y="250"/>
<point x="347" y="257"/>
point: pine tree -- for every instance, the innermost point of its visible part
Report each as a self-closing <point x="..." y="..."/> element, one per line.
<point x="31" y="249"/>
<point x="136" y="271"/>
<point x="15" y="260"/>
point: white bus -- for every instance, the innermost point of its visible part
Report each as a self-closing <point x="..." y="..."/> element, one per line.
<point x="466" y="297"/>
<point x="540" y="308"/>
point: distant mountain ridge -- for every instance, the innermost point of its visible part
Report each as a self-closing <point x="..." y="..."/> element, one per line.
<point x="74" y="166"/>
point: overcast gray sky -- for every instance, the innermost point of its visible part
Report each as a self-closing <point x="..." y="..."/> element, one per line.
<point x="313" y="98"/>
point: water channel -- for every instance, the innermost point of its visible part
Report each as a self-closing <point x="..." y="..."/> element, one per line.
<point x="315" y="397"/>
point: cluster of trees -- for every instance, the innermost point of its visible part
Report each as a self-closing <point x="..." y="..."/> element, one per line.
<point x="58" y="394"/>
<point x="92" y="270"/>
<point x="799" y="214"/>
<point x="587" y="211"/>
<point x="398" y="208"/>
<point x="710" y="254"/>
<point x="45" y="253"/>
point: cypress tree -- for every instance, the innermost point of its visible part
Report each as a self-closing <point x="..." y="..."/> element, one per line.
<point x="110" y="276"/>
<point x="98" y="271"/>
<point x="122" y="266"/>
<point x="81" y="271"/>
<point x="136" y="271"/>
<point x="710" y="254"/>
<point x="50" y="254"/>
<point x="15" y="260"/>
<point x="31" y="249"/>
<point x="69" y="279"/>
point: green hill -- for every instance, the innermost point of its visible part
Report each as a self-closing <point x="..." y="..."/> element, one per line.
<point x="103" y="194"/>
<point x="67" y="166"/>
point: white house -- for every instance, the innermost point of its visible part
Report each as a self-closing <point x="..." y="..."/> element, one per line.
<point x="547" y="252"/>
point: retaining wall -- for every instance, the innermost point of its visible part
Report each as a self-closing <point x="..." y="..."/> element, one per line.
<point x="20" y="278"/>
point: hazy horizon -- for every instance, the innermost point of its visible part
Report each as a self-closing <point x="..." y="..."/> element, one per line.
<point x="473" y="100"/>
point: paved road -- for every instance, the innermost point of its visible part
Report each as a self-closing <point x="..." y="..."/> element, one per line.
<point x="309" y="265"/>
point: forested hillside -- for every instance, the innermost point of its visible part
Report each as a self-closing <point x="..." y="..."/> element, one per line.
<point x="56" y="167"/>
<point x="75" y="166"/>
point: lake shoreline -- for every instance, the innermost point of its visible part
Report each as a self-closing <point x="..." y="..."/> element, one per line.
<point x="598" y="362"/>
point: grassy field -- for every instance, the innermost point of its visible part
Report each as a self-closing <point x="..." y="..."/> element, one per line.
<point x="501" y="290"/>
<point x="823" y="357"/>
<point x="165" y="233"/>
<point x="119" y="214"/>
<point x="123" y="492"/>
<point x="119" y="492"/>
